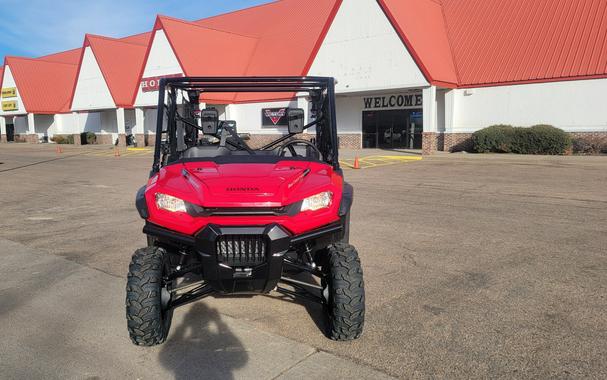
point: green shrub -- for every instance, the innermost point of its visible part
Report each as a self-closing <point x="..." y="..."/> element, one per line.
<point x="62" y="139"/>
<point x="496" y="139"/>
<point x="88" y="138"/>
<point x="58" y="139"/>
<point x="541" y="139"/>
<point x="70" y="139"/>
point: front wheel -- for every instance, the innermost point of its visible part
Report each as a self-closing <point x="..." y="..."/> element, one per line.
<point x="344" y="292"/>
<point x="147" y="298"/>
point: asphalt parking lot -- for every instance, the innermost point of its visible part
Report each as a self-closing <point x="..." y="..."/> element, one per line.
<point x="475" y="267"/>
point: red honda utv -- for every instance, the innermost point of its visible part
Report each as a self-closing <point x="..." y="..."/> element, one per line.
<point x="224" y="217"/>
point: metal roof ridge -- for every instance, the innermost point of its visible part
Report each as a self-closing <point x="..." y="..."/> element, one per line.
<point x="193" y="23"/>
<point x="113" y="39"/>
<point x="59" y="52"/>
<point x="40" y="60"/>
<point x="241" y="10"/>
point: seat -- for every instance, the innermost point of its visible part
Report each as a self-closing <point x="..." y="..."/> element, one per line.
<point x="206" y="152"/>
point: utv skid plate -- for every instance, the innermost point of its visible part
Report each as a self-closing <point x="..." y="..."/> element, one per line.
<point x="201" y="289"/>
<point x="219" y="270"/>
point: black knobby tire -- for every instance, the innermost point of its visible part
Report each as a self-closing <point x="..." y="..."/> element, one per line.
<point x="148" y="323"/>
<point x="345" y="292"/>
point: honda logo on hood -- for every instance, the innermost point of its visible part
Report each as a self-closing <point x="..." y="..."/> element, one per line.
<point x="242" y="189"/>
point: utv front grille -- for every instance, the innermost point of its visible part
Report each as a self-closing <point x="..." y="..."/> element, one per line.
<point x="241" y="250"/>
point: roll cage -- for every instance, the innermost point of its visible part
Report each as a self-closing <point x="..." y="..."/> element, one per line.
<point x="169" y="144"/>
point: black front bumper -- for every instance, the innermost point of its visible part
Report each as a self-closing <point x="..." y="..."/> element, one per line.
<point x="259" y="278"/>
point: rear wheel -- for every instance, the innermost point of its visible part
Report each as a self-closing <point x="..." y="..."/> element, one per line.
<point x="147" y="297"/>
<point x="344" y="292"/>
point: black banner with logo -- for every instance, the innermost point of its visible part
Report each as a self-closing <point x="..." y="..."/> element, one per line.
<point x="274" y="116"/>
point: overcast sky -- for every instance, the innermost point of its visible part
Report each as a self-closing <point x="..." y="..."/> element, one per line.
<point x="33" y="28"/>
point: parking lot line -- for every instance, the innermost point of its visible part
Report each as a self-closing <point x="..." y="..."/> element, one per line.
<point x="365" y="162"/>
<point x="377" y="161"/>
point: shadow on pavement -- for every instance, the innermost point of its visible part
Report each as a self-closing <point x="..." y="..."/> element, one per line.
<point x="315" y="310"/>
<point x="203" y="346"/>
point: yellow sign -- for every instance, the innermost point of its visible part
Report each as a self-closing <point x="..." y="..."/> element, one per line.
<point x="10" y="105"/>
<point x="9" y="92"/>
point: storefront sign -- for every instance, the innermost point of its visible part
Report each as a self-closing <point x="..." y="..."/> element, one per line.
<point x="151" y="84"/>
<point x="9" y="92"/>
<point x="394" y="101"/>
<point x="274" y="116"/>
<point x="10" y="105"/>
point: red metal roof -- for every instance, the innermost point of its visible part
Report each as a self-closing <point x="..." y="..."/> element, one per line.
<point x="421" y="25"/>
<point x="280" y="38"/>
<point x="120" y="61"/>
<point x="70" y="56"/>
<point x="45" y="86"/>
<point x="1" y="75"/>
<point x="493" y="42"/>
<point x="208" y="52"/>
<point x="139" y="39"/>
<point x="456" y="43"/>
<point x="290" y="33"/>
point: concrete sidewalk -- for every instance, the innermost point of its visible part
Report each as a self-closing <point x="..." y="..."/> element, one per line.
<point x="59" y="319"/>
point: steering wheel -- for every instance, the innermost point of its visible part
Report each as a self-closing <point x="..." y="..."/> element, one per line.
<point x="290" y="145"/>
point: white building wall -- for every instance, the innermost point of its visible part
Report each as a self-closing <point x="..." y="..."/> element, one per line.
<point x="64" y="125"/>
<point x="248" y="117"/>
<point x="575" y="106"/>
<point x="364" y="52"/>
<point x="8" y="82"/>
<point x="20" y="123"/>
<point x="88" y="122"/>
<point x="161" y="61"/>
<point x="151" y="115"/>
<point x="349" y="114"/>
<point x="109" y="122"/>
<point x="129" y="121"/>
<point x="92" y="92"/>
<point x="45" y="125"/>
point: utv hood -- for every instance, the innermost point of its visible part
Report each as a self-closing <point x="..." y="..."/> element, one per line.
<point x="236" y="185"/>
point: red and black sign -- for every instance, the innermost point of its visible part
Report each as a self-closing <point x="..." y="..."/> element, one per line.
<point x="274" y="116"/>
<point x="152" y="83"/>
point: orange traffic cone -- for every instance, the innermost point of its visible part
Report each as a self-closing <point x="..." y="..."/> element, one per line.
<point x="116" y="152"/>
<point x="356" y="163"/>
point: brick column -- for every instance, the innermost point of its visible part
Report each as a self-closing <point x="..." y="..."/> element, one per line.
<point x="2" y="129"/>
<point x="139" y="128"/>
<point x="77" y="128"/>
<point x="32" y="136"/>
<point x="430" y="135"/>
<point x="429" y="142"/>
<point x="121" y="127"/>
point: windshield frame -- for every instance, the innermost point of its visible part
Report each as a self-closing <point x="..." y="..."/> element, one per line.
<point x="320" y="91"/>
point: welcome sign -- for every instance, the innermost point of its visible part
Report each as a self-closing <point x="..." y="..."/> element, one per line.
<point x="415" y="100"/>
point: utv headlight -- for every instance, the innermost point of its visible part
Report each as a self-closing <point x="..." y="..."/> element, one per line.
<point x="170" y="203"/>
<point x="317" y="202"/>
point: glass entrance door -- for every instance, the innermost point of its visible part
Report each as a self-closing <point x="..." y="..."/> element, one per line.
<point x="10" y="132"/>
<point x="392" y="129"/>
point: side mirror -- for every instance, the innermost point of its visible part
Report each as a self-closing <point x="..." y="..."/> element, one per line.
<point x="209" y="120"/>
<point x="295" y="116"/>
